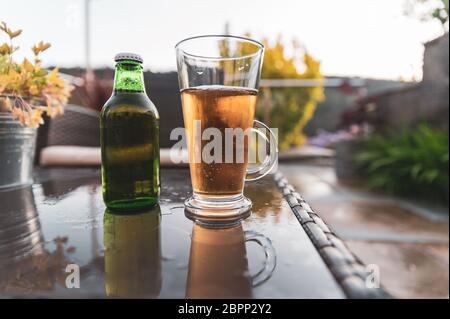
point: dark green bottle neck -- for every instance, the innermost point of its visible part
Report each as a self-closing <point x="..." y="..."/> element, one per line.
<point x="129" y="77"/>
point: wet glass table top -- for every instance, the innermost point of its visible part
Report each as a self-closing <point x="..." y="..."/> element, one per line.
<point x="59" y="225"/>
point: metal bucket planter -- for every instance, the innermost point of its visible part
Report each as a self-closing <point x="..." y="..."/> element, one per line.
<point x="17" y="148"/>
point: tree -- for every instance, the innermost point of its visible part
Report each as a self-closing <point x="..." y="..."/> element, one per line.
<point x="289" y="109"/>
<point x="428" y="10"/>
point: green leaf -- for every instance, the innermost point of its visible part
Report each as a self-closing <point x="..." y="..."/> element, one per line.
<point x="408" y="162"/>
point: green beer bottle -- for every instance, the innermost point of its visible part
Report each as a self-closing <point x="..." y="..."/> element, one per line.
<point x="129" y="140"/>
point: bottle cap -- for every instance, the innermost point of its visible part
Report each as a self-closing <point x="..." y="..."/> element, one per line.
<point x="128" y="56"/>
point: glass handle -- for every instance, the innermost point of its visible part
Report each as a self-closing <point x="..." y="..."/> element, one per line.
<point x="271" y="259"/>
<point x="271" y="156"/>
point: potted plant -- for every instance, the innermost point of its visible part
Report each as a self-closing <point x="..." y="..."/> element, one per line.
<point x="27" y="93"/>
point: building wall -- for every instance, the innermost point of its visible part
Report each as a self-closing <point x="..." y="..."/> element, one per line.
<point x="435" y="84"/>
<point x="428" y="101"/>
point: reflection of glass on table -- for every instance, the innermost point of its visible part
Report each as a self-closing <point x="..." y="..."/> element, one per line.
<point x="218" y="266"/>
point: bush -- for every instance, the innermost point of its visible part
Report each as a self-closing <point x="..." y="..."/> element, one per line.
<point x="413" y="162"/>
<point x="290" y="109"/>
<point x="287" y="109"/>
<point x="27" y="91"/>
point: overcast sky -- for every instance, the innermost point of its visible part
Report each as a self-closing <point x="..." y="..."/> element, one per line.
<point x="351" y="37"/>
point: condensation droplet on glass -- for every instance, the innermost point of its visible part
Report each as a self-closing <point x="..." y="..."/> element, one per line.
<point x="242" y="67"/>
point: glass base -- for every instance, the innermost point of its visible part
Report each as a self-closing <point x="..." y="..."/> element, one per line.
<point x="220" y="211"/>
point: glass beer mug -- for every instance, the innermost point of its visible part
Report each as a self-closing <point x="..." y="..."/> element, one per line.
<point x="218" y="78"/>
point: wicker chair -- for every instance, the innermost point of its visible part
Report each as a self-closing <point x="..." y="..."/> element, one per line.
<point x="78" y="126"/>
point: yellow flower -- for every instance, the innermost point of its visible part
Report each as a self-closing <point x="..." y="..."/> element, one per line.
<point x="29" y="79"/>
<point x="34" y="90"/>
<point x="7" y="103"/>
<point x="12" y="34"/>
<point x="27" y="65"/>
<point x="54" y="78"/>
<point x="36" y="118"/>
<point x="3" y="82"/>
<point x="40" y="47"/>
<point x="5" y="49"/>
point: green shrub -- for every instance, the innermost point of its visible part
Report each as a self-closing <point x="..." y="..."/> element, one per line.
<point x="290" y="109"/>
<point x="412" y="162"/>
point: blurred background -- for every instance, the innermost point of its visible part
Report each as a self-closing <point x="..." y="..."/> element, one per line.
<point x="357" y="89"/>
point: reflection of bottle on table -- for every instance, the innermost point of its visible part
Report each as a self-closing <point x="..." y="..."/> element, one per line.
<point x="218" y="266"/>
<point x="133" y="254"/>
